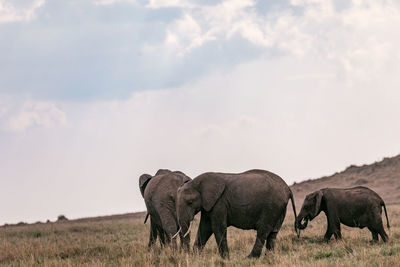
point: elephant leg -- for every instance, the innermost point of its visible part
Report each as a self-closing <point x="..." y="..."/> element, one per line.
<point x="383" y="235"/>
<point x="270" y="244"/>
<point x="336" y="232"/>
<point x="162" y="235"/>
<point x="169" y="226"/>
<point x="328" y="235"/>
<point x="220" y="230"/>
<point x="185" y="241"/>
<point x="203" y="233"/>
<point x="328" y="232"/>
<point x="258" y="245"/>
<point x="333" y="225"/>
<point x="374" y="235"/>
<point x="153" y="233"/>
<point x="382" y="232"/>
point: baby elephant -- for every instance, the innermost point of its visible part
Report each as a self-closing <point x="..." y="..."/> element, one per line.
<point x="355" y="207"/>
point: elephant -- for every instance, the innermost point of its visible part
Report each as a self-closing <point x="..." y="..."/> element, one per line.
<point x="355" y="207"/>
<point x="159" y="193"/>
<point x="254" y="199"/>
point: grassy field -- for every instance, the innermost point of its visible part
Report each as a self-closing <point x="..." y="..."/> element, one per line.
<point x="123" y="241"/>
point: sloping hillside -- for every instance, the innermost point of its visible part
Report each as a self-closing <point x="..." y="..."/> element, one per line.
<point x="382" y="177"/>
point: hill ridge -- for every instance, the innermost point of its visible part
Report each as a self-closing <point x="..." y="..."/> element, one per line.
<point x="381" y="176"/>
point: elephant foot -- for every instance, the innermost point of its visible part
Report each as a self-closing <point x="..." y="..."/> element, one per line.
<point x="253" y="255"/>
<point x="270" y="247"/>
<point x="385" y="238"/>
<point x="338" y="238"/>
<point x="225" y="256"/>
<point x="197" y="249"/>
<point x="266" y="252"/>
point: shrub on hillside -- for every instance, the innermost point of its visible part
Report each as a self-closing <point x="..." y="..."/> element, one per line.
<point x="61" y="218"/>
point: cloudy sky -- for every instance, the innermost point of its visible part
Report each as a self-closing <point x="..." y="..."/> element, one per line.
<point x="94" y="93"/>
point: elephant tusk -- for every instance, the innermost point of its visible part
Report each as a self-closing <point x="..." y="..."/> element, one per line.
<point x="188" y="231"/>
<point x="303" y="225"/>
<point x="175" y="235"/>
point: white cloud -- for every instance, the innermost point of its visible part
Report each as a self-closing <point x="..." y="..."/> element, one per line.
<point x="346" y="36"/>
<point x="36" y="114"/>
<point x="185" y="34"/>
<point x="112" y="2"/>
<point x="169" y="3"/>
<point x="10" y="13"/>
<point x="203" y="23"/>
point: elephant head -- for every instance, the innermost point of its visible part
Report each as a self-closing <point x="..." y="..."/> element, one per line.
<point x="310" y="209"/>
<point x="144" y="179"/>
<point x="196" y="195"/>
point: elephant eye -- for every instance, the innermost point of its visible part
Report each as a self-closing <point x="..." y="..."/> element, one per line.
<point x="190" y="202"/>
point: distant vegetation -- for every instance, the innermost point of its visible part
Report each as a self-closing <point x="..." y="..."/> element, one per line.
<point x="61" y="218"/>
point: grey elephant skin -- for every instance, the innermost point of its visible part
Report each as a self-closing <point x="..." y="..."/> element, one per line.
<point x="255" y="199"/>
<point x="159" y="193"/>
<point x="355" y="207"/>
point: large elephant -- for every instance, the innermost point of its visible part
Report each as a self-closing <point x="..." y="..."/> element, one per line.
<point x="355" y="207"/>
<point x="159" y="193"/>
<point x="255" y="199"/>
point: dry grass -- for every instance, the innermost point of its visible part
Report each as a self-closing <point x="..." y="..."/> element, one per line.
<point x="122" y="241"/>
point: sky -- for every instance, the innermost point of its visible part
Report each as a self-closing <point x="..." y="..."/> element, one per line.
<point x="94" y="93"/>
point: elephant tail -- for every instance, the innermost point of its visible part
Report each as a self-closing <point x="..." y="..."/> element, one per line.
<point x="147" y="216"/>
<point x="387" y="218"/>
<point x="295" y="214"/>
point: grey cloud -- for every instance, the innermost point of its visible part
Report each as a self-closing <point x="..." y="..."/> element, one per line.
<point x="79" y="51"/>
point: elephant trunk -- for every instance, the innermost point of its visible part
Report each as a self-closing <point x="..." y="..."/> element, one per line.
<point x="185" y="227"/>
<point x="185" y="236"/>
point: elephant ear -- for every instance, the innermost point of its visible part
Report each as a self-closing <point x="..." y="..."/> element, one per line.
<point x="143" y="181"/>
<point x="211" y="189"/>
<point x="318" y="199"/>
<point x="184" y="177"/>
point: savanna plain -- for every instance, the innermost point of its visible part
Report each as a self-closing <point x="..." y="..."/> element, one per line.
<point x="122" y="241"/>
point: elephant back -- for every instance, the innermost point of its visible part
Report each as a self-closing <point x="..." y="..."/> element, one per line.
<point x="165" y="186"/>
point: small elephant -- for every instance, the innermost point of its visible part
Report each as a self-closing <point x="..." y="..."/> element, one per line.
<point x="159" y="193"/>
<point x="255" y="199"/>
<point x="355" y="207"/>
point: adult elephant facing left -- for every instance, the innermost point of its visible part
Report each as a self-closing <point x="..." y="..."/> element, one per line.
<point x="255" y="199"/>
